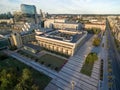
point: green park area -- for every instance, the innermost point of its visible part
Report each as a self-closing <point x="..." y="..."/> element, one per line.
<point x="50" y="61"/>
<point x="15" y="75"/>
<point x="88" y="65"/>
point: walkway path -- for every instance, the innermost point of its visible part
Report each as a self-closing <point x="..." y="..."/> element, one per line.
<point x="33" y="64"/>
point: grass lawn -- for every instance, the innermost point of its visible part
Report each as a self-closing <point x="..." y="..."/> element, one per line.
<point x="87" y="69"/>
<point x="40" y="79"/>
<point x="88" y="65"/>
<point x="52" y="61"/>
<point x="48" y="60"/>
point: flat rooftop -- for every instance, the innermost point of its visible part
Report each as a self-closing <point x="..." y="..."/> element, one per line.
<point x="72" y="38"/>
<point x="67" y="23"/>
<point x="36" y="47"/>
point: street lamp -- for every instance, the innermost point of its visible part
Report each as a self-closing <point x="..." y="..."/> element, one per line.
<point x="73" y="84"/>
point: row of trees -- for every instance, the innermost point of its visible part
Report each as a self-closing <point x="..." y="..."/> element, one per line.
<point x="11" y="79"/>
<point x="6" y="15"/>
<point x="94" y="30"/>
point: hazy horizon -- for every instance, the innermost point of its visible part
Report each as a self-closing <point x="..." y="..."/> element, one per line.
<point x="64" y="6"/>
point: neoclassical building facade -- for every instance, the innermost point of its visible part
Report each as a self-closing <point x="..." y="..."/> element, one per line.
<point x="67" y="48"/>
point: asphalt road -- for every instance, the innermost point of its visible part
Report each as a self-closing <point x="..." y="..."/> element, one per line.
<point x="115" y="57"/>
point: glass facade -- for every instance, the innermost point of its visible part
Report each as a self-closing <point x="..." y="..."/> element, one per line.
<point x="28" y="9"/>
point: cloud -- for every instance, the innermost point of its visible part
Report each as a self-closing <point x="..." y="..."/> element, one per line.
<point x="64" y="6"/>
<point x="7" y="5"/>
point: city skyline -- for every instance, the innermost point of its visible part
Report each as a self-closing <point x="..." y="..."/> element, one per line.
<point x="65" y="6"/>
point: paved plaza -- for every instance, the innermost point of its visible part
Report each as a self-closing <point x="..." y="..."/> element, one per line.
<point x="71" y="72"/>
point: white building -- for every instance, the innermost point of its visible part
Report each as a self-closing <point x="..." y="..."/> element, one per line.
<point x="62" y="24"/>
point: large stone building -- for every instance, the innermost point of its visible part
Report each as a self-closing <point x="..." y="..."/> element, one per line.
<point x="93" y="25"/>
<point x="62" y="41"/>
<point x="114" y="22"/>
<point x="62" y="24"/>
<point x="8" y="21"/>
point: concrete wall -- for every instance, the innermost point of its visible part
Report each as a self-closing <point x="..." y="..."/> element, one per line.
<point x="56" y="45"/>
<point x="16" y="40"/>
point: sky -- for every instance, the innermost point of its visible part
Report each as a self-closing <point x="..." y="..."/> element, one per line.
<point x="65" y="6"/>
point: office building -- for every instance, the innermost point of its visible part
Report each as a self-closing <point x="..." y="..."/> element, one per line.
<point x="29" y="11"/>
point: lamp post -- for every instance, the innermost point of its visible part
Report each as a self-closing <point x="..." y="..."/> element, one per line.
<point x="73" y="84"/>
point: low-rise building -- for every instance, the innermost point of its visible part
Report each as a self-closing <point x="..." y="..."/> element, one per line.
<point x="114" y="22"/>
<point x="8" y="21"/>
<point x="92" y="25"/>
<point x="18" y="39"/>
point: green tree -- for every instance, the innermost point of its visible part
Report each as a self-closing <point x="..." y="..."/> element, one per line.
<point x="96" y="41"/>
<point x="25" y="82"/>
<point x="4" y="80"/>
<point x="8" y="79"/>
<point x="35" y="87"/>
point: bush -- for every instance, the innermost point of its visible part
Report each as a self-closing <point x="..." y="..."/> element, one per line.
<point x="96" y="42"/>
<point x="56" y="68"/>
<point x="36" y="60"/>
<point x="42" y="62"/>
<point x="49" y="65"/>
<point x="91" y="58"/>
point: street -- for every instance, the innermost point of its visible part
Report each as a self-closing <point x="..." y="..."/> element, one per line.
<point x="115" y="57"/>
